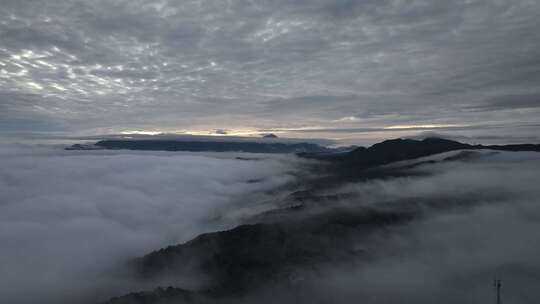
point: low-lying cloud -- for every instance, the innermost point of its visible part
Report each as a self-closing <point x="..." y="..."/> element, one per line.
<point x="480" y="221"/>
<point x="66" y="217"/>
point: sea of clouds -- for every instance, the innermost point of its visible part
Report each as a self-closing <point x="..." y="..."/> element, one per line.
<point x="478" y="220"/>
<point x="67" y="218"/>
<point x="487" y="228"/>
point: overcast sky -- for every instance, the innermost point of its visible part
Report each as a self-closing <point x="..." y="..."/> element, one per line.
<point x="349" y="70"/>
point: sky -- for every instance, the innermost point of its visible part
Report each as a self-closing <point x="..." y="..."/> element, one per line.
<point x="352" y="71"/>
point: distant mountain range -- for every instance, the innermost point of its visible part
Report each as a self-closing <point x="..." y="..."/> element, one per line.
<point x="402" y="149"/>
<point x="380" y="153"/>
<point x="203" y="146"/>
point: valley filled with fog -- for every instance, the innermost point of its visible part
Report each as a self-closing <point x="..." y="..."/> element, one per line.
<point x="67" y="219"/>
<point x="70" y="221"/>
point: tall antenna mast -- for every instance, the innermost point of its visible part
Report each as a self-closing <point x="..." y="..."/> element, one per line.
<point x="497" y="285"/>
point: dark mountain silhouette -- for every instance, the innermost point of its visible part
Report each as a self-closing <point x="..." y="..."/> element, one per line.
<point x="162" y="296"/>
<point x="382" y="153"/>
<point x="403" y="149"/>
<point x="270" y="135"/>
<point x="245" y="258"/>
<point x="201" y="146"/>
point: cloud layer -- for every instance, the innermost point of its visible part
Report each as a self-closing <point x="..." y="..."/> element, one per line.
<point x="480" y="221"/>
<point x="68" y="219"/>
<point x="106" y="66"/>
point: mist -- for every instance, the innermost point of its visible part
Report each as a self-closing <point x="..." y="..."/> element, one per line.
<point x="68" y="219"/>
<point x="479" y="220"/>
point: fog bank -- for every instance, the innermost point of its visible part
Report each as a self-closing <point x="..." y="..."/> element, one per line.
<point x="67" y="217"/>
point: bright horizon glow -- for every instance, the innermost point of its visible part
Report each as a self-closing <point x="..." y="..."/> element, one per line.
<point x="430" y="126"/>
<point x="141" y="132"/>
<point x="211" y="132"/>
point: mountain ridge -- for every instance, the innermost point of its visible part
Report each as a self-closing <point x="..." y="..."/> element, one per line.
<point x="399" y="149"/>
<point x="380" y="153"/>
<point x="201" y="146"/>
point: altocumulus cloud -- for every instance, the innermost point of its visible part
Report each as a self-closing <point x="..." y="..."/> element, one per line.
<point x="68" y="219"/>
<point x="102" y="66"/>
